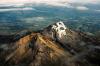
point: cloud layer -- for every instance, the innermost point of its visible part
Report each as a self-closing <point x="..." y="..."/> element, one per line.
<point x="63" y="3"/>
<point x="15" y="9"/>
<point x="82" y="8"/>
<point x="50" y="1"/>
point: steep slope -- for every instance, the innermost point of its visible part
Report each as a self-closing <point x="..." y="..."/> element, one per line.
<point x="38" y="50"/>
<point x="69" y="38"/>
<point x="56" y="45"/>
<point x="60" y="33"/>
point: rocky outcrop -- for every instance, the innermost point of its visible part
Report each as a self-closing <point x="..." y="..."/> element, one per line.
<point x="56" y="45"/>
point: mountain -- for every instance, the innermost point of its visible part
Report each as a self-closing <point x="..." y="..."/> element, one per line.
<point x="55" y="45"/>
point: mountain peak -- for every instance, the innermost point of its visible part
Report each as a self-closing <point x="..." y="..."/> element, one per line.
<point x="60" y="33"/>
<point x="56" y="45"/>
<point x="60" y="28"/>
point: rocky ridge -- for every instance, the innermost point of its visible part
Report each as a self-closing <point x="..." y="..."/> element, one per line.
<point x="56" y="45"/>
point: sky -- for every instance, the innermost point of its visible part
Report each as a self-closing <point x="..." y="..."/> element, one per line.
<point x="63" y="3"/>
<point x="49" y="1"/>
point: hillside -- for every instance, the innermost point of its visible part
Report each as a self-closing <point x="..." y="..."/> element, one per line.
<point x="56" y="45"/>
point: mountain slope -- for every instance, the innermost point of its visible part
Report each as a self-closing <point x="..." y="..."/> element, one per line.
<point x="56" y="45"/>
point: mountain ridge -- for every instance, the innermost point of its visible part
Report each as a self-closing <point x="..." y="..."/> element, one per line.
<point x="56" y="45"/>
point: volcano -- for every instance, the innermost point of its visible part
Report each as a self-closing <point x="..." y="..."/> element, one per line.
<point x="55" y="45"/>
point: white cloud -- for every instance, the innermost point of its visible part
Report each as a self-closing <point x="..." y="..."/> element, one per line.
<point x="64" y="3"/>
<point x="15" y="9"/>
<point x="50" y="1"/>
<point x="97" y="10"/>
<point x="19" y="3"/>
<point x="84" y="1"/>
<point x="81" y="8"/>
<point x="39" y="19"/>
<point x="14" y="5"/>
<point x="30" y="1"/>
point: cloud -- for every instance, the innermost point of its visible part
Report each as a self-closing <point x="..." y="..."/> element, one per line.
<point x="22" y="2"/>
<point x="14" y="5"/>
<point x="15" y="9"/>
<point x="50" y="1"/>
<point x="81" y="8"/>
<point x="4" y="47"/>
<point x="97" y="10"/>
<point x="39" y="18"/>
<point x="64" y="3"/>
<point x="30" y="20"/>
<point x="85" y="1"/>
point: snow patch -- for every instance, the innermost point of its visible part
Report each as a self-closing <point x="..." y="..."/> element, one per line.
<point x="60" y="28"/>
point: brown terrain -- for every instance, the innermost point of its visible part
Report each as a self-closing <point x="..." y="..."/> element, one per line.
<point x="47" y="48"/>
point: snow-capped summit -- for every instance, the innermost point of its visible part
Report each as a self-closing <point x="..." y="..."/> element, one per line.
<point x="60" y="28"/>
<point x="61" y="33"/>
